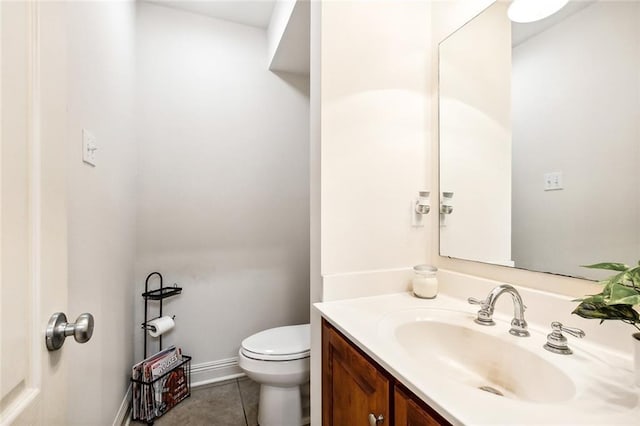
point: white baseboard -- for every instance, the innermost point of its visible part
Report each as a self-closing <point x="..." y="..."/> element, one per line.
<point x="122" y="417"/>
<point x="202" y="374"/>
<point x="210" y="372"/>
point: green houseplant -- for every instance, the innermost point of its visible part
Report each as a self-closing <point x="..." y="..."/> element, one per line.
<point x="619" y="294"/>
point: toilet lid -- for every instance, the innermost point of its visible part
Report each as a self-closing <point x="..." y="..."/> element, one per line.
<point x="281" y="343"/>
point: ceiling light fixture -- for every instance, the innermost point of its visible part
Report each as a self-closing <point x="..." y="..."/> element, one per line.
<point x="525" y="11"/>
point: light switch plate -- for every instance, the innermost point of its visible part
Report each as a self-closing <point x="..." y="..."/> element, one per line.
<point x="553" y="181"/>
<point x="89" y="148"/>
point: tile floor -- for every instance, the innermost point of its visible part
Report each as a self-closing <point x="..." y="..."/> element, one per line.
<point x="231" y="403"/>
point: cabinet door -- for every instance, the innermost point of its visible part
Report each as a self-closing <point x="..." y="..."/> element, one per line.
<point x="352" y="386"/>
<point x="409" y="413"/>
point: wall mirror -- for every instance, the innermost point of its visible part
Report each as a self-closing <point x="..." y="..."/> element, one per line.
<point x="539" y="128"/>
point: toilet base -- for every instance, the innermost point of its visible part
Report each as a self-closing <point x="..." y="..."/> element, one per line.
<point x="279" y="406"/>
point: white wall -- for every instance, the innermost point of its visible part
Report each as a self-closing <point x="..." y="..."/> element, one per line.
<point x="223" y="188"/>
<point x="101" y="205"/>
<point x="595" y="55"/>
<point x="280" y="17"/>
<point x="475" y="138"/>
<point x="288" y="37"/>
<point x="369" y="72"/>
<point x="315" y="281"/>
<point x="374" y="134"/>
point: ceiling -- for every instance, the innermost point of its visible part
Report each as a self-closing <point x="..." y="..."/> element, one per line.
<point x="255" y="13"/>
<point x="522" y="32"/>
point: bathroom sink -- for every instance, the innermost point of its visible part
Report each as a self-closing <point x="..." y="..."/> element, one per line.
<point x="474" y="374"/>
<point x="485" y="358"/>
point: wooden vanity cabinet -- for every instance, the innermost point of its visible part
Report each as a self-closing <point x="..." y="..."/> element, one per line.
<point x="411" y="412"/>
<point x="354" y="386"/>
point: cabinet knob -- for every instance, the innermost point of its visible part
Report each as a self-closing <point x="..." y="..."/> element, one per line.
<point x="375" y="421"/>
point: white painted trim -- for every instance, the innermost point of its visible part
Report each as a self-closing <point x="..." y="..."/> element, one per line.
<point x="2" y="412"/>
<point x="27" y="398"/>
<point x="15" y="409"/>
<point x="35" y="189"/>
<point x="208" y="382"/>
<point x="210" y="372"/>
<point x="122" y="416"/>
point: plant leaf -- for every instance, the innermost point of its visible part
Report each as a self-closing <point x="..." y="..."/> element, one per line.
<point x="623" y="295"/>
<point x="634" y="276"/>
<point x="621" y="277"/>
<point x="603" y="312"/>
<point x="615" y="279"/>
<point x="612" y="266"/>
<point x="629" y="300"/>
<point x="595" y="298"/>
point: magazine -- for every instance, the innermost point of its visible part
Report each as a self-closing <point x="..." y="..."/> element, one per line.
<point x="157" y="384"/>
<point x="135" y="388"/>
<point x="148" y="409"/>
<point x="169" y="387"/>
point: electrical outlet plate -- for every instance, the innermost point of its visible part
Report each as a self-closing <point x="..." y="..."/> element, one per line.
<point x="89" y="148"/>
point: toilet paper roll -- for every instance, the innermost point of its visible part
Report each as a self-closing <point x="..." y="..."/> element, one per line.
<point x="160" y="326"/>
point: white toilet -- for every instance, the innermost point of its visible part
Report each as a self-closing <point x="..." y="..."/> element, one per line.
<point x="278" y="359"/>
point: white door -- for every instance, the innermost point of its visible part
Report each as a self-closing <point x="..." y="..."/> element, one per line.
<point x="33" y="250"/>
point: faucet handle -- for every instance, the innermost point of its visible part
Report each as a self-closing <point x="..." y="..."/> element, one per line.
<point x="485" y="314"/>
<point x="556" y="342"/>
<point x="474" y="301"/>
<point x="558" y="327"/>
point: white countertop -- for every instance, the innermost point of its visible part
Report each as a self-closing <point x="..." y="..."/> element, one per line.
<point x="605" y="393"/>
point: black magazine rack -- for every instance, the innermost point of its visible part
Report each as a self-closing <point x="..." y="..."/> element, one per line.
<point x="152" y="398"/>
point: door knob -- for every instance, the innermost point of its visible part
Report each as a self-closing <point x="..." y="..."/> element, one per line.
<point x="375" y="421"/>
<point x="58" y="329"/>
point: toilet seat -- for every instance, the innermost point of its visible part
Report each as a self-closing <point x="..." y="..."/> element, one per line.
<point x="279" y="344"/>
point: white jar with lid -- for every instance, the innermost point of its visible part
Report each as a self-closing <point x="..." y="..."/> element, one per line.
<point x="425" y="283"/>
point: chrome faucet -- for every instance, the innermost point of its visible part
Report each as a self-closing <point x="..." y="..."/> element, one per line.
<point x="485" y="314"/>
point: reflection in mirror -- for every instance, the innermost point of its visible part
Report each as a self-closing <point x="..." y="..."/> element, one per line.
<point x="540" y="138"/>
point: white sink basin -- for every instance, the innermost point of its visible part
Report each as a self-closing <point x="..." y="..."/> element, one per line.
<point x="485" y="358"/>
